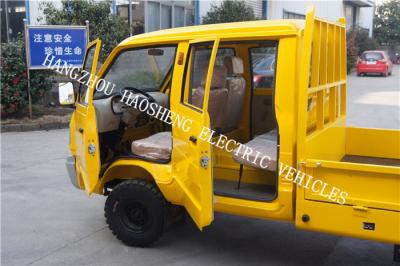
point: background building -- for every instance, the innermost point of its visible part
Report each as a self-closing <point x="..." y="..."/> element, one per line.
<point x="148" y="16"/>
<point x="12" y="15"/>
<point x="144" y="16"/>
<point x="358" y="13"/>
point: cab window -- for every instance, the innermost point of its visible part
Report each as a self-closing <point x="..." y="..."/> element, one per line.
<point x="263" y="60"/>
<point x="200" y="55"/>
<point x="144" y="69"/>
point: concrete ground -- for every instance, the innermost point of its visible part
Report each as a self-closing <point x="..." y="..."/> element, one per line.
<point x="45" y="221"/>
<point x="374" y="101"/>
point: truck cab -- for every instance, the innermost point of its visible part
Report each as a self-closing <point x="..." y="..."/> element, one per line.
<point x="277" y="87"/>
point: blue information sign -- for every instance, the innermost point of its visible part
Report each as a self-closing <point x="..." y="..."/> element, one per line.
<point x="67" y="43"/>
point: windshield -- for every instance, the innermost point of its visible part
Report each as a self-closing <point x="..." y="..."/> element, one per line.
<point x="143" y="69"/>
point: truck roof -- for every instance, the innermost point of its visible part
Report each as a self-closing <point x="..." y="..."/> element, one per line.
<point x="277" y="27"/>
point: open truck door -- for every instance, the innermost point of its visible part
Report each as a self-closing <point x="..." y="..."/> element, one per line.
<point x="86" y="136"/>
<point x="191" y="155"/>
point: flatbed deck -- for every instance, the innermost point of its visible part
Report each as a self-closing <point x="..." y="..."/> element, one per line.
<point x="371" y="160"/>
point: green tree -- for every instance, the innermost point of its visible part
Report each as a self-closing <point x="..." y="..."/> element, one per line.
<point x="362" y="40"/>
<point x="102" y="24"/>
<point x="387" y="23"/>
<point x="229" y="11"/>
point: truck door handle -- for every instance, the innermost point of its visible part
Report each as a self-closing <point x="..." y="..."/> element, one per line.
<point x="80" y="130"/>
<point x="193" y="139"/>
<point x="360" y="208"/>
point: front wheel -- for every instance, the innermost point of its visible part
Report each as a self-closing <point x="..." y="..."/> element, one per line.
<point x="135" y="212"/>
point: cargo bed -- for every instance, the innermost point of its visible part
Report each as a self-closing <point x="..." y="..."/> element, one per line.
<point x="370" y="160"/>
<point x="368" y="169"/>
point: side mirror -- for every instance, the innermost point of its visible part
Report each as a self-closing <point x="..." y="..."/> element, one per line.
<point x="66" y="95"/>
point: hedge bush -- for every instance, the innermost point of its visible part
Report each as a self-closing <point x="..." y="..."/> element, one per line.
<point x="358" y="41"/>
<point x="352" y="50"/>
<point x="14" y="82"/>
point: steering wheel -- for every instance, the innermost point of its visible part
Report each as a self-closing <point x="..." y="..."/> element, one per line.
<point x="147" y="95"/>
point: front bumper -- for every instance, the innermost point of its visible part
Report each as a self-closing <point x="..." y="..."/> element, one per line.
<point x="70" y="164"/>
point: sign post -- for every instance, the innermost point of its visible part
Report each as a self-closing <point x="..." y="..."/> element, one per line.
<point x="67" y="43"/>
<point x="28" y="73"/>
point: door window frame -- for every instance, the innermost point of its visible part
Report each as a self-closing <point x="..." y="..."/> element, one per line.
<point x="91" y="45"/>
<point x="186" y="78"/>
<point x="276" y="45"/>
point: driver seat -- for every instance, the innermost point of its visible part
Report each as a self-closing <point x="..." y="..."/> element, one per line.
<point x="156" y="147"/>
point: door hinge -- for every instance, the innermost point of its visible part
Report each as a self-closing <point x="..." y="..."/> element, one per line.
<point x="92" y="149"/>
<point x="204" y="161"/>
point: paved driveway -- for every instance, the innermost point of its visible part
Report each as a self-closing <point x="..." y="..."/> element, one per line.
<point x="374" y="101"/>
<point x="45" y="221"/>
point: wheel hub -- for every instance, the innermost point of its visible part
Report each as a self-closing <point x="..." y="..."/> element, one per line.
<point x="135" y="217"/>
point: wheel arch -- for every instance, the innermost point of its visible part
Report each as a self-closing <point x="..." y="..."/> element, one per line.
<point x="127" y="169"/>
<point x="118" y="173"/>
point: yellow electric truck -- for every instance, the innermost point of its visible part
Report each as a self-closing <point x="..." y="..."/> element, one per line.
<point x="278" y="86"/>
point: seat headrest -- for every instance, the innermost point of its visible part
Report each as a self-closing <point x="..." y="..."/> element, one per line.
<point x="219" y="77"/>
<point x="234" y="65"/>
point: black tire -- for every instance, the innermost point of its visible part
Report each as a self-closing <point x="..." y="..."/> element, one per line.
<point x="135" y="212"/>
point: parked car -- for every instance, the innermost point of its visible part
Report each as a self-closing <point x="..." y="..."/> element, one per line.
<point x="263" y="70"/>
<point x="374" y="62"/>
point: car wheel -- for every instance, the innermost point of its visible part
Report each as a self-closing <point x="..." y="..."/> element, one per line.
<point x="135" y="212"/>
<point x="358" y="74"/>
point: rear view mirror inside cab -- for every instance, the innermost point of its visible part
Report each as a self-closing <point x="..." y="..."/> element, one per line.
<point x="155" y="52"/>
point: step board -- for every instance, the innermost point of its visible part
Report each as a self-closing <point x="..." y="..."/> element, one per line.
<point x="248" y="191"/>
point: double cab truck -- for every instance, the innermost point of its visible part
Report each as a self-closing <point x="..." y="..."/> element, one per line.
<point x="293" y="108"/>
